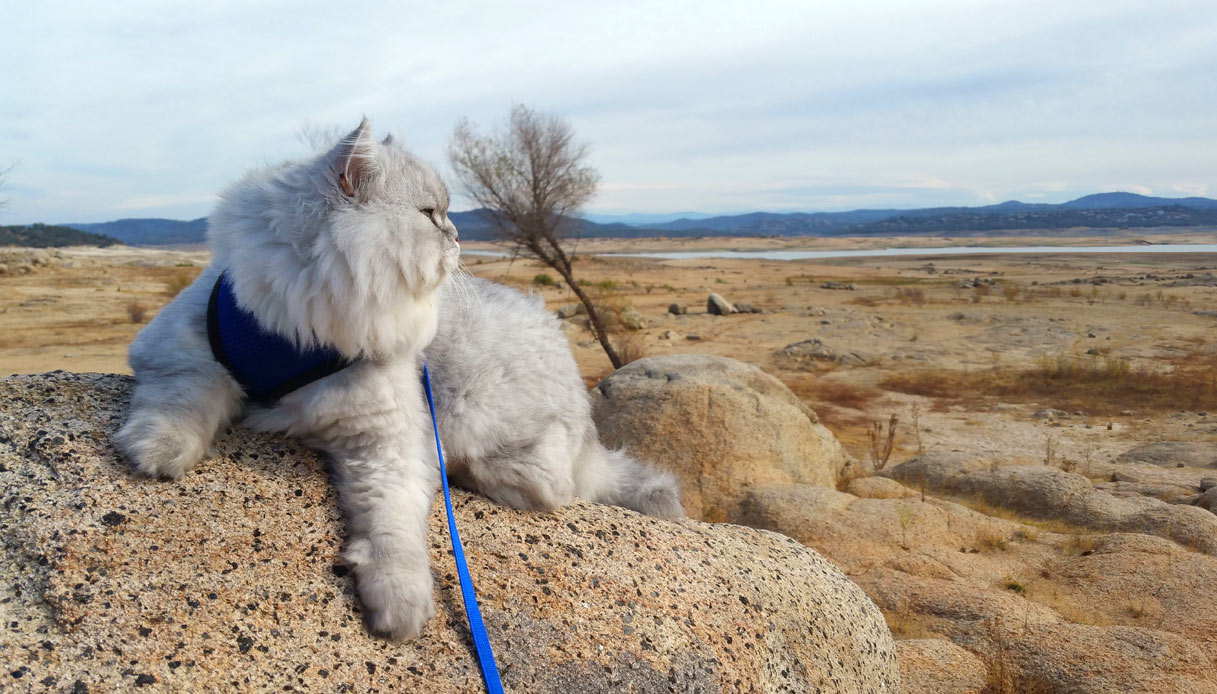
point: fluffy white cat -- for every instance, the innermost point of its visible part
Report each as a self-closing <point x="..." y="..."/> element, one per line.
<point x="352" y="250"/>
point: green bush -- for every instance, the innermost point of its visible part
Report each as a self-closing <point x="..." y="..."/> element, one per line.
<point x="543" y="280"/>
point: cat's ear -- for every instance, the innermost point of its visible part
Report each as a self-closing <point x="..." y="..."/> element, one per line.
<point x="389" y="140"/>
<point x="354" y="161"/>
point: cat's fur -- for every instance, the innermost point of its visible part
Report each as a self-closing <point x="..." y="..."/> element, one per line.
<point x="353" y="249"/>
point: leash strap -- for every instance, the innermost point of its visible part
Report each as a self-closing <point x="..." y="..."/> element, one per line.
<point x="481" y="643"/>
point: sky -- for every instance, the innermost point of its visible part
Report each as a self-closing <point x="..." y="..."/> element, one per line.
<point x="147" y="109"/>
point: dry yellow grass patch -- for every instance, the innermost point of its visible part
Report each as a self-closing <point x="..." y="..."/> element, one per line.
<point x="1100" y="385"/>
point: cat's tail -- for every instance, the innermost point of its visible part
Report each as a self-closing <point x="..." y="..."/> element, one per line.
<point x="615" y="477"/>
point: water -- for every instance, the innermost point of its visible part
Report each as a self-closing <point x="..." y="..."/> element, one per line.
<point x="884" y="252"/>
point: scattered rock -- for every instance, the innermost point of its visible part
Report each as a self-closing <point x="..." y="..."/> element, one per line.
<point x="670" y="335"/>
<point x="800" y="353"/>
<point x="694" y="337"/>
<point x="231" y="580"/>
<point x="839" y="286"/>
<point x="722" y="426"/>
<point x="970" y="317"/>
<point x="718" y="306"/>
<point x="746" y="308"/>
<point x="677" y="309"/>
<point x="571" y="310"/>
<point x="1050" y="413"/>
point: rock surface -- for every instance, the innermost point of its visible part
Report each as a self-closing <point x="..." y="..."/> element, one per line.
<point x="799" y="353"/>
<point x="1172" y="454"/>
<point x="1043" y="492"/>
<point x="1043" y="611"/>
<point x="231" y="581"/>
<point x="722" y="426"/>
<point x="937" y="666"/>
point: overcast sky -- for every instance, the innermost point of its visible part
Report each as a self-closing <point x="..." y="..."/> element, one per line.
<point x="141" y="109"/>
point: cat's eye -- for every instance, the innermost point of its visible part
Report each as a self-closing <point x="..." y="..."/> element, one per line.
<point x="429" y="211"/>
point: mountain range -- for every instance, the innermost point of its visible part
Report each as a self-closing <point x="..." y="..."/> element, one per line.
<point x="1102" y="210"/>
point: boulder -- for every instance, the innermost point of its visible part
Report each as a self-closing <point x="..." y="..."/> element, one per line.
<point x="718" y="306"/>
<point x="722" y="426"/>
<point x="677" y="310"/>
<point x="231" y="580"/>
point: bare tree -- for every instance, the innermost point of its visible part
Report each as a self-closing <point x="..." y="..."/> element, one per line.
<point x="533" y="179"/>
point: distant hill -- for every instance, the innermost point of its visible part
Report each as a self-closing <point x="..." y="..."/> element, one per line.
<point x="1130" y="201"/>
<point x="50" y="236"/>
<point x="1117" y="211"/>
<point x="150" y="232"/>
<point x="1118" y="218"/>
<point x="1102" y="210"/>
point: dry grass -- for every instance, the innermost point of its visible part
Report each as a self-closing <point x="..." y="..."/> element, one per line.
<point x="1098" y="386"/>
<point x="990" y="538"/>
<point x="838" y="393"/>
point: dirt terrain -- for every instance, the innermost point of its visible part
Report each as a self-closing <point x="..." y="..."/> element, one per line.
<point x="1048" y="369"/>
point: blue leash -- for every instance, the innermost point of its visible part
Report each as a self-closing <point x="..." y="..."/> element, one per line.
<point x="481" y="643"/>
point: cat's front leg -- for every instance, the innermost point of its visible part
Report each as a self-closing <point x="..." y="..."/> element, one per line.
<point x="174" y="417"/>
<point x="386" y="491"/>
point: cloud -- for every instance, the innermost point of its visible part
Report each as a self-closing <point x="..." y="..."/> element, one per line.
<point x="686" y="105"/>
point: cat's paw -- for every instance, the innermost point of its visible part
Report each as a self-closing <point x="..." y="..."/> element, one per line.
<point x="158" y="447"/>
<point x="398" y="603"/>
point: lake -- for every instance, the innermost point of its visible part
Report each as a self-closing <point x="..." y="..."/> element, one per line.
<point x="876" y="252"/>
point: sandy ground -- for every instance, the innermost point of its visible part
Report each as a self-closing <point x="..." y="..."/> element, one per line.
<point x="72" y="309"/>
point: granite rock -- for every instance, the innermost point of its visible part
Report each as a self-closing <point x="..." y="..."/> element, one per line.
<point x="231" y="580"/>
<point x="722" y="426"/>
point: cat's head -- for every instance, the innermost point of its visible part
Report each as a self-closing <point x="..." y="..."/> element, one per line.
<point x="345" y="249"/>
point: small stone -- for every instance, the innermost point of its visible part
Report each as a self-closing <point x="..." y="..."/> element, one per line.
<point x="718" y="306"/>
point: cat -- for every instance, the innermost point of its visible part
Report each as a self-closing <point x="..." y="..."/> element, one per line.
<point x="352" y="251"/>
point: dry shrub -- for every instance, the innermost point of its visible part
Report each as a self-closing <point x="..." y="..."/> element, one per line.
<point x="629" y="346"/>
<point x="909" y="295"/>
<point x="180" y="280"/>
<point x="881" y="443"/>
<point x="137" y="311"/>
<point x="1099" y="386"/>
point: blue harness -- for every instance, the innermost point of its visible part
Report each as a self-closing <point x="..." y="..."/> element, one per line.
<point x="267" y="365"/>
